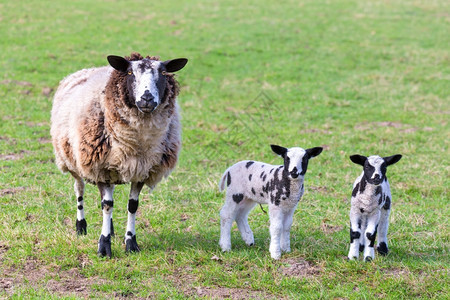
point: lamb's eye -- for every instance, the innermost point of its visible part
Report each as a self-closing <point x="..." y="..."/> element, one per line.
<point x="164" y="72"/>
<point x="130" y="72"/>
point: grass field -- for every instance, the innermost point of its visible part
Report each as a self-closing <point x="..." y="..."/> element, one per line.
<point x="368" y="77"/>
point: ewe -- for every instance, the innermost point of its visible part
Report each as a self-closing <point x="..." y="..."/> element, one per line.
<point x="117" y="124"/>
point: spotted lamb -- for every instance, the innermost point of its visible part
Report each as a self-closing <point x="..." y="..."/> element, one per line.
<point x="370" y="206"/>
<point x="249" y="183"/>
<point x="117" y="124"/>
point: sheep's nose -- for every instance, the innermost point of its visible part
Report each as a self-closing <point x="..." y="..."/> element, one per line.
<point x="147" y="96"/>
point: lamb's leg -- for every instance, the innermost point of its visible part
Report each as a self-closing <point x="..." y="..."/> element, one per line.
<point x="81" y="224"/>
<point x="370" y="235"/>
<point x="227" y="216"/>
<point x="104" y="243"/>
<point x="276" y="227"/>
<point x="286" y="233"/>
<point x="243" y="209"/>
<point x="382" y="245"/>
<point x="133" y="203"/>
<point x="355" y="234"/>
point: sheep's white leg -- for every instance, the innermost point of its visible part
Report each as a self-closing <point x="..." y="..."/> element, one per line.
<point x="133" y="203"/>
<point x="286" y="233"/>
<point x="355" y="233"/>
<point x="243" y="209"/>
<point x="382" y="244"/>
<point x="276" y="228"/>
<point x="104" y="243"/>
<point x="81" y="224"/>
<point x="370" y="235"/>
<point x="227" y="216"/>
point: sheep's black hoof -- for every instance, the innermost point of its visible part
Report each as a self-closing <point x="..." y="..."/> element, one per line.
<point x="112" y="228"/>
<point x="368" y="259"/>
<point x="383" y="249"/>
<point x="81" y="227"/>
<point x="104" y="246"/>
<point x="131" y="245"/>
<point x="361" y="248"/>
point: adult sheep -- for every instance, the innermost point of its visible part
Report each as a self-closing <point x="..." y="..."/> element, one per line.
<point x="117" y="124"/>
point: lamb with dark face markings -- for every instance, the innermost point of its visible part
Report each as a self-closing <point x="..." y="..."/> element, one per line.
<point x="370" y="206"/>
<point x="281" y="187"/>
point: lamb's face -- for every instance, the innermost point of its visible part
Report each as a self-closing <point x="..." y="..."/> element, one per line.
<point x="146" y="79"/>
<point x="375" y="169"/>
<point x="375" y="166"/>
<point x="296" y="159"/>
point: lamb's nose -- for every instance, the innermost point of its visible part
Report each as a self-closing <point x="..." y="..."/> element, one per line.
<point x="147" y="96"/>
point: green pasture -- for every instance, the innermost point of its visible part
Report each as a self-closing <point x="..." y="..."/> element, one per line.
<point x="367" y="77"/>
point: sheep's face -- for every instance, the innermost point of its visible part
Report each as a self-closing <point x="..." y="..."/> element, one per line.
<point x="146" y="79"/>
<point x="296" y="159"/>
<point x="375" y="166"/>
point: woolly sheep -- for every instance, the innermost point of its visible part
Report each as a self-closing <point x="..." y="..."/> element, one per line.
<point x="370" y="206"/>
<point x="117" y="124"/>
<point x="281" y="187"/>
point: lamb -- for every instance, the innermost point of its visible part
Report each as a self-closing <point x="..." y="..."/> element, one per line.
<point x="114" y="125"/>
<point x="281" y="187"/>
<point x="370" y="206"/>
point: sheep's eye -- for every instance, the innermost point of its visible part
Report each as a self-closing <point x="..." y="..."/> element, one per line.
<point x="130" y="72"/>
<point x="164" y="72"/>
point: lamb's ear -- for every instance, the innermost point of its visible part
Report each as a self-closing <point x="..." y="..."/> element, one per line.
<point x="390" y="160"/>
<point x="174" y="65"/>
<point x="358" y="159"/>
<point x="281" y="151"/>
<point x="119" y="63"/>
<point x="313" y="152"/>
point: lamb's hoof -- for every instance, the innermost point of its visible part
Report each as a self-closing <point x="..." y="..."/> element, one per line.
<point x="383" y="249"/>
<point x="131" y="245"/>
<point x="368" y="259"/>
<point x="104" y="246"/>
<point x="81" y="227"/>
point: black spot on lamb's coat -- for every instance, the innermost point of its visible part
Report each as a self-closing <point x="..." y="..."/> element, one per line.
<point x="80" y="207"/>
<point x="253" y="191"/>
<point x="262" y="174"/>
<point x="250" y="177"/>
<point x="378" y="190"/>
<point x="362" y="185"/>
<point x="248" y="164"/>
<point x="238" y="198"/>
<point x="129" y="233"/>
<point x="355" y="190"/>
<point x="371" y="237"/>
<point x="354" y="235"/>
<point x="361" y="247"/>
<point x="382" y="248"/>
<point x="280" y="185"/>
<point x="271" y="170"/>
<point x="359" y="223"/>
<point x="264" y="177"/>
<point x="80" y="199"/>
<point x="362" y="210"/>
<point x="228" y="179"/>
<point x="261" y="194"/>
<point x="387" y="204"/>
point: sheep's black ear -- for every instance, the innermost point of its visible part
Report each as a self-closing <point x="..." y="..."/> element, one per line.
<point x="119" y="63"/>
<point x="313" y="152"/>
<point x="281" y="151"/>
<point x="358" y="159"/>
<point x="390" y="160"/>
<point x="174" y="65"/>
